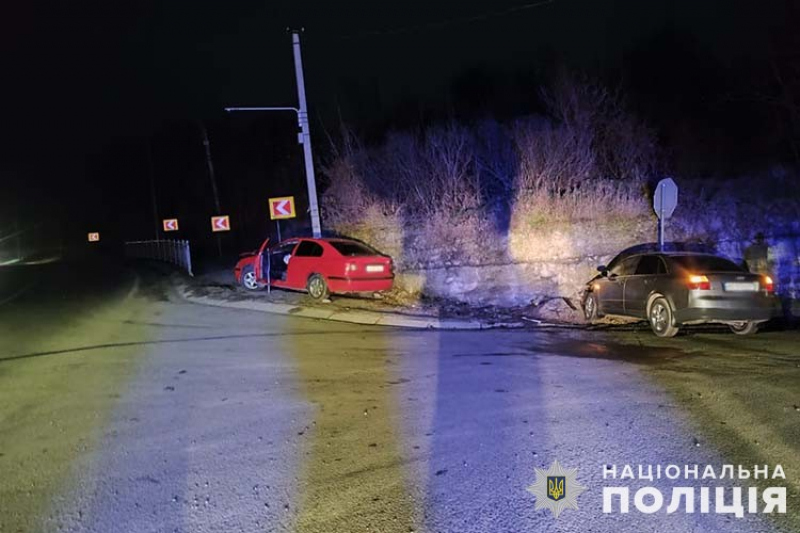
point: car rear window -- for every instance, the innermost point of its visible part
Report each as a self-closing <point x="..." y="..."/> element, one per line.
<point x="353" y="249"/>
<point x="706" y="263"/>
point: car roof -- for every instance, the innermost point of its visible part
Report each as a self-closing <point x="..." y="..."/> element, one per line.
<point x="316" y="239"/>
<point x="667" y="255"/>
<point x="671" y="254"/>
<point x="669" y="248"/>
<point x="692" y="254"/>
<point x="677" y="254"/>
<point x="322" y="240"/>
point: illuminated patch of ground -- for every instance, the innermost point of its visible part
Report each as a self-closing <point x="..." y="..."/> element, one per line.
<point x="355" y="477"/>
<point x="57" y="384"/>
<point x="743" y="393"/>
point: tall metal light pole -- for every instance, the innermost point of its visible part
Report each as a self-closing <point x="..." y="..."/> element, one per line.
<point x="304" y="137"/>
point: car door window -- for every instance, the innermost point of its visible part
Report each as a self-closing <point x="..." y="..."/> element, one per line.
<point x="284" y="249"/>
<point x="279" y="260"/>
<point x="614" y="264"/>
<point x="309" y="249"/>
<point x="626" y="267"/>
<point x="649" y="265"/>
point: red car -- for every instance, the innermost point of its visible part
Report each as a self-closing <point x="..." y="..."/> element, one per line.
<point x="319" y="266"/>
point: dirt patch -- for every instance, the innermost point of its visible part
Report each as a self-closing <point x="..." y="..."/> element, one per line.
<point x="618" y="352"/>
<point x="741" y="393"/>
<point x="393" y="302"/>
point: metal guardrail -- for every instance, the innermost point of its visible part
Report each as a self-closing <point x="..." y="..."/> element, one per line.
<point x="175" y="252"/>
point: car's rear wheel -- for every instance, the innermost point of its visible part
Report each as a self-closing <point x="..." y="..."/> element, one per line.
<point x="317" y="287"/>
<point x="661" y="319"/>
<point x="590" y="308"/>
<point x="744" y="328"/>
<point x="248" y="279"/>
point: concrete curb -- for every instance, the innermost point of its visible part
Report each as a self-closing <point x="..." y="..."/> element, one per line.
<point x="372" y="318"/>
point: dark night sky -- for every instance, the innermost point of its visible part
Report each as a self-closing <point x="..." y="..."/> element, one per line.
<point x="83" y="79"/>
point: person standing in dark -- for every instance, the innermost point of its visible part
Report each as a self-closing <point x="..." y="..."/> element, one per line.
<point x="758" y="260"/>
<point x="756" y="256"/>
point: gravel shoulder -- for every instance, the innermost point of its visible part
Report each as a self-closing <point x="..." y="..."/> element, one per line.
<point x="219" y="284"/>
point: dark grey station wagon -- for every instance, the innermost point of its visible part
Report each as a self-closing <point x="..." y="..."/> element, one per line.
<point x="671" y="289"/>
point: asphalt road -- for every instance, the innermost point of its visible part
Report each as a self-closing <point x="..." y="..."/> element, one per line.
<point x="123" y="409"/>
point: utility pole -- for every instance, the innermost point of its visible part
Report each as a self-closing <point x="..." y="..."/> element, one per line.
<point x="304" y="137"/>
<point x="153" y="200"/>
<point x="18" y="233"/>
<point x="212" y="177"/>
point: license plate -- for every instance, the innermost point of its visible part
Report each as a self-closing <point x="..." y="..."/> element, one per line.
<point x="374" y="268"/>
<point x="742" y="286"/>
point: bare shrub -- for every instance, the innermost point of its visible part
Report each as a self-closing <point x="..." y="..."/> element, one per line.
<point x="433" y="194"/>
<point x="591" y="159"/>
<point x="447" y="239"/>
<point x="622" y="146"/>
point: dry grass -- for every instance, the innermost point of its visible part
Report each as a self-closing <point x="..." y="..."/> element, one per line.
<point x="566" y="186"/>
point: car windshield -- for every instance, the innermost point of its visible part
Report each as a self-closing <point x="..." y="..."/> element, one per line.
<point x="353" y="249"/>
<point x="706" y="263"/>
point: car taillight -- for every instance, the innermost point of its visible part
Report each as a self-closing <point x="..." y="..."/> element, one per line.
<point x="699" y="283"/>
<point x="350" y="267"/>
<point x="768" y="284"/>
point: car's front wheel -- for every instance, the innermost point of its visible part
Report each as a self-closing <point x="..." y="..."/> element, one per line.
<point x="317" y="287"/>
<point x="590" y="308"/>
<point x="661" y="319"/>
<point x="744" y="328"/>
<point x="248" y="279"/>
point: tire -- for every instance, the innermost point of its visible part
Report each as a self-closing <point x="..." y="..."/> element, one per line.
<point x="317" y="287"/>
<point x="744" y="328"/>
<point x="661" y="319"/>
<point x="248" y="279"/>
<point x="590" y="308"/>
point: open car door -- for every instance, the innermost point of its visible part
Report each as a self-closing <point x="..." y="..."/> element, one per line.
<point x="261" y="274"/>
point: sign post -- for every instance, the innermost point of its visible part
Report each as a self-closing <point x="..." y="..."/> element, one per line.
<point x="664" y="202"/>
<point x="281" y="208"/>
